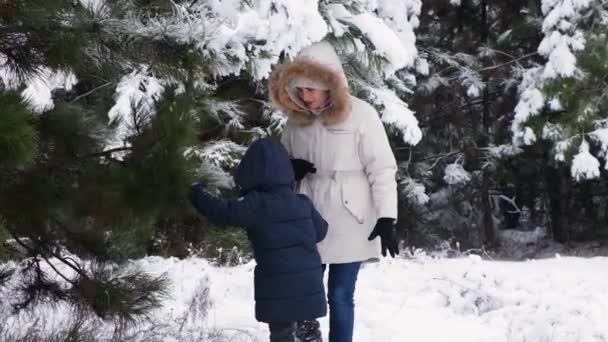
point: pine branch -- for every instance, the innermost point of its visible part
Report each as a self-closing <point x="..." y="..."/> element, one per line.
<point x="5" y="274"/>
<point x="442" y="155"/>
<point x="38" y="270"/>
<point x="440" y="158"/>
<point x="127" y="296"/>
<point x="107" y="153"/>
<point x="33" y="251"/>
<point x="516" y="60"/>
<point x="38" y="288"/>
<point x="29" y="249"/>
<point x="77" y="269"/>
<point x="71" y="235"/>
<point x="117" y="161"/>
<point x="91" y="91"/>
<point x="57" y="271"/>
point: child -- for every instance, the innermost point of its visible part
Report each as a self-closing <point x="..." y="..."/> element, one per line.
<point x="284" y="228"/>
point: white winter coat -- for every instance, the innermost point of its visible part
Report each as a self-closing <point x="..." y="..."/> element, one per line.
<point x="355" y="182"/>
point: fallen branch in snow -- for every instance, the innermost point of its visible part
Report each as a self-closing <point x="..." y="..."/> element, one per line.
<point x="511" y="201"/>
<point x="478" y="250"/>
<point x="482" y="302"/>
<point x="461" y="285"/>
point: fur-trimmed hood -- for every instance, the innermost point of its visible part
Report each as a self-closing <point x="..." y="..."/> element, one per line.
<point x="318" y="62"/>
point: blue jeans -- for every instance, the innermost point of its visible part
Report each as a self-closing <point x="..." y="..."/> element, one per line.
<point x="341" y="299"/>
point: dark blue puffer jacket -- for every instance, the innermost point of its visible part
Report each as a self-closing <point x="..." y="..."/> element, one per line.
<point x="283" y="227"/>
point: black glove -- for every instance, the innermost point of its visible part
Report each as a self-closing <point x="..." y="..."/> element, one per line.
<point x="388" y="240"/>
<point x="301" y="167"/>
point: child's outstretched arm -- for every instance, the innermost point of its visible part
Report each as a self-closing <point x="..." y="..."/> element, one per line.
<point x="223" y="212"/>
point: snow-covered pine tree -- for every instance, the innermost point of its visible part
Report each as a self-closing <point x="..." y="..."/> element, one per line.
<point x="561" y="100"/>
<point x="562" y="105"/>
<point x="564" y="99"/>
<point x="76" y="205"/>
<point x="474" y="53"/>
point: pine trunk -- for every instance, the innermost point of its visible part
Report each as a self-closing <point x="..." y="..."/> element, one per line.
<point x="558" y="191"/>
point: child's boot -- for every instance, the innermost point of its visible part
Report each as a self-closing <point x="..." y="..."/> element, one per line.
<point x="283" y="332"/>
<point x="309" y="331"/>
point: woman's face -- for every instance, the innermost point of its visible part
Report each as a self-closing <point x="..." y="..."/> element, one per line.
<point x="313" y="98"/>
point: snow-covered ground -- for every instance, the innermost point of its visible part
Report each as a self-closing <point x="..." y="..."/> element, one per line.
<point x="421" y="299"/>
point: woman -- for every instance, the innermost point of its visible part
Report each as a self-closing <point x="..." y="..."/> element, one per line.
<point x="343" y="160"/>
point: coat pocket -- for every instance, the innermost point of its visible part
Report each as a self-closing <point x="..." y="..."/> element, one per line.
<point x="341" y="148"/>
<point x="352" y="201"/>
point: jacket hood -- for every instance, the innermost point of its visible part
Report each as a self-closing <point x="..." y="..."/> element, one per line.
<point x="317" y="63"/>
<point x="265" y="165"/>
